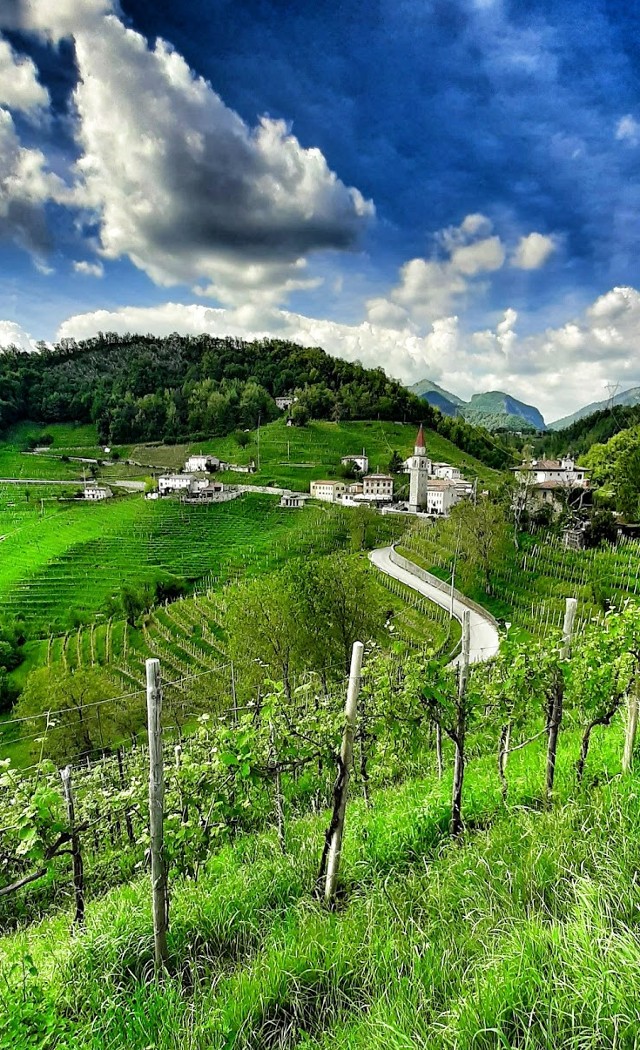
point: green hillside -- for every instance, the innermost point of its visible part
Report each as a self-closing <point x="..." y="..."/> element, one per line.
<point x="294" y="456"/>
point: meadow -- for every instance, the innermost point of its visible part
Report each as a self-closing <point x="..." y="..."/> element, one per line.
<point x="520" y="933"/>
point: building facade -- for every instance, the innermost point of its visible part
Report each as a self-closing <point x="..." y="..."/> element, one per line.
<point x="329" y="491"/>
<point x="377" y="487"/>
<point x="168" y="483"/>
<point x="361" y="463"/>
<point x="93" y="491"/>
<point x="206" y="463"/>
<point x="442" y="495"/>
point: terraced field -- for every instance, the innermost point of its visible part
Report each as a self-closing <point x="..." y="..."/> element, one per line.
<point x="68" y="566"/>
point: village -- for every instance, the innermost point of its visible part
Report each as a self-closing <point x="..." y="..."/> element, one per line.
<point x="434" y="487"/>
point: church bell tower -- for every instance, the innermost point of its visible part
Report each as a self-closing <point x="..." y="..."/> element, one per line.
<point x="419" y="470"/>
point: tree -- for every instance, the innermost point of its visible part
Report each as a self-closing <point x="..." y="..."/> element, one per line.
<point x="66" y="711"/>
<point x="241" y="438"/>
<point x="480" y="534"/>
<point x="396" y="463"/>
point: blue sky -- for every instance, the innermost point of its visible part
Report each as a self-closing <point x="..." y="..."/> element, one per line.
<point x="447" y="189"/>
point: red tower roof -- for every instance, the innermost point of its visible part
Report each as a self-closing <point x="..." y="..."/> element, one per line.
<point x="420" y="438"/>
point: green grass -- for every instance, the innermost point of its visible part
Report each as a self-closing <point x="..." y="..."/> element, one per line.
<point x="523" y="933"/>
<point x="295" y="456"/>
<point x="67" y="566"/>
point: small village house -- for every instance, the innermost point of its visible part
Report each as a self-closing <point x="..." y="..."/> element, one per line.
<point x="169" y="483"/>
<point x="442" y="495"/>
<point x="202" y="463"/>
<point x="93" y="491"/>
<point x="361" y="463"/>
<point x="292" y="500"/>
<point x="329" y="491"/>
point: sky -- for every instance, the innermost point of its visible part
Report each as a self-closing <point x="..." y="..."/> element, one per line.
<point x="447" y="189"/>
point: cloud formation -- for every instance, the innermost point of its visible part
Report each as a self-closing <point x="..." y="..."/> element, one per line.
<point x="26" y="185"/>
<point x="20" y="88"/>
<point x="628" y="130"/>
<point x="179" y="183"/>
<point x="11" y="334"/>
<point x="533" y="251"/>
<point x="89" y="269"/>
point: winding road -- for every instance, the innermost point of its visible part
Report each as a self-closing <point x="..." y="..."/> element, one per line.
<point x="484" y="636"/>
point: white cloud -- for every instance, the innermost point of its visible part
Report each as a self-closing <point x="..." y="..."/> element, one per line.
<point x="628" y="130"/>
<point x="25" y="187"/>
<point x="185" y="189"/>
<point x="178" y="182"/>
<point x="480" y="257"/>
<point x="558" y="369"/>
<point x="430" y="288"/>
<point x="20" y="88"/>
<point x="11" y="334"/>
<point x="533" y="251"/>
<point x="89" y="269"/>
<point x="54" y="19"/>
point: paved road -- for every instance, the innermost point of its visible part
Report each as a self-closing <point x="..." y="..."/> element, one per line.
<point x="484" y="635"/>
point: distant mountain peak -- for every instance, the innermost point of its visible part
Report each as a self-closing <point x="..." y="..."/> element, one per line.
<point x="494" y="409"/>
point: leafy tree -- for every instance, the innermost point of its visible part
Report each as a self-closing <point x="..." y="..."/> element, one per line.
<point x="396" y="463"/>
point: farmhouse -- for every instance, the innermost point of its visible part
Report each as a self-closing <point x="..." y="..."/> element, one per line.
<point x="203" y="463"/>
<point x="361" y="463"/>
<point x="93" y="491"/>
<point x="285" y="401"/>
<point x="329" y="491"/>
<point x="561" y="472"/>
<point x="446" y="471"/>
<point x="168" y="483"/>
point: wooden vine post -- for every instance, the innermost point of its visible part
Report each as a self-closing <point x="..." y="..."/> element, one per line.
<point x="633" y="708"/>
<point x="556" y="700"/>
<point x="460" y="727"/>
<point x="346" y="758"/>
<point x="159" y="897"/>
<point x="76" y="853"/>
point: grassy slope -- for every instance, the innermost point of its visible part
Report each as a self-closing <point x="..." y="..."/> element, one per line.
<point x="521" y="934"/>
<point x="314" y="451"/>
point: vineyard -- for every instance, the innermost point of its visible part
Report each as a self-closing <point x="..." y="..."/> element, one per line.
<point x="254" y="956"/>
<point x="67" y="566"/>
<point x="529" y="584"/>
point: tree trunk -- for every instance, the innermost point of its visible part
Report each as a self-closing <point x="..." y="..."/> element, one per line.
<point x="455" y="825"/>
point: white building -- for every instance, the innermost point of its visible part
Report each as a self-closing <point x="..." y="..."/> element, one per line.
<point x="446" y="471"/>
<point x="168" y="483"/>
<point x="93" y="491"/>
<point x="442" y="495"/>
<point x="285" y="402"/>
<point x="377" y="487"/>
<point x="293" y="500"/>
<point x="419" y="468"/>
<point x="361" y="463"/>
<point x="206" y="463"/>
<point x="329" y="491"/>
<point x="562" y="471"/>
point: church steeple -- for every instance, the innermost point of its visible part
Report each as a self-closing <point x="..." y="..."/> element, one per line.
<point x="420" y="448"/>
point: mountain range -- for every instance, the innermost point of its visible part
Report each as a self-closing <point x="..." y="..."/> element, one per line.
<point x="626" y="397"/>
<point x="494" y="410"/>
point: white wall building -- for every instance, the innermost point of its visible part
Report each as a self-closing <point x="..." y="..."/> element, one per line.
<point x="330" y="491"/>
<point x="168" y="483"/>
<point x="285" y="401"/>
<point x="562" y="471"/>
<point x="93" y="491"/>
<point x="293" y="500"/>
<point x="377" y="487"/>
<point x="442" y="495"/>
<point x="206" y="463"/>
<point x="361" y="463"/>
<point x="446" y="471"/>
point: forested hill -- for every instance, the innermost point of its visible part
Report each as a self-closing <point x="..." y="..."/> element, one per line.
<point x="590" y="430"/>
<point x="143" y="388"/>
